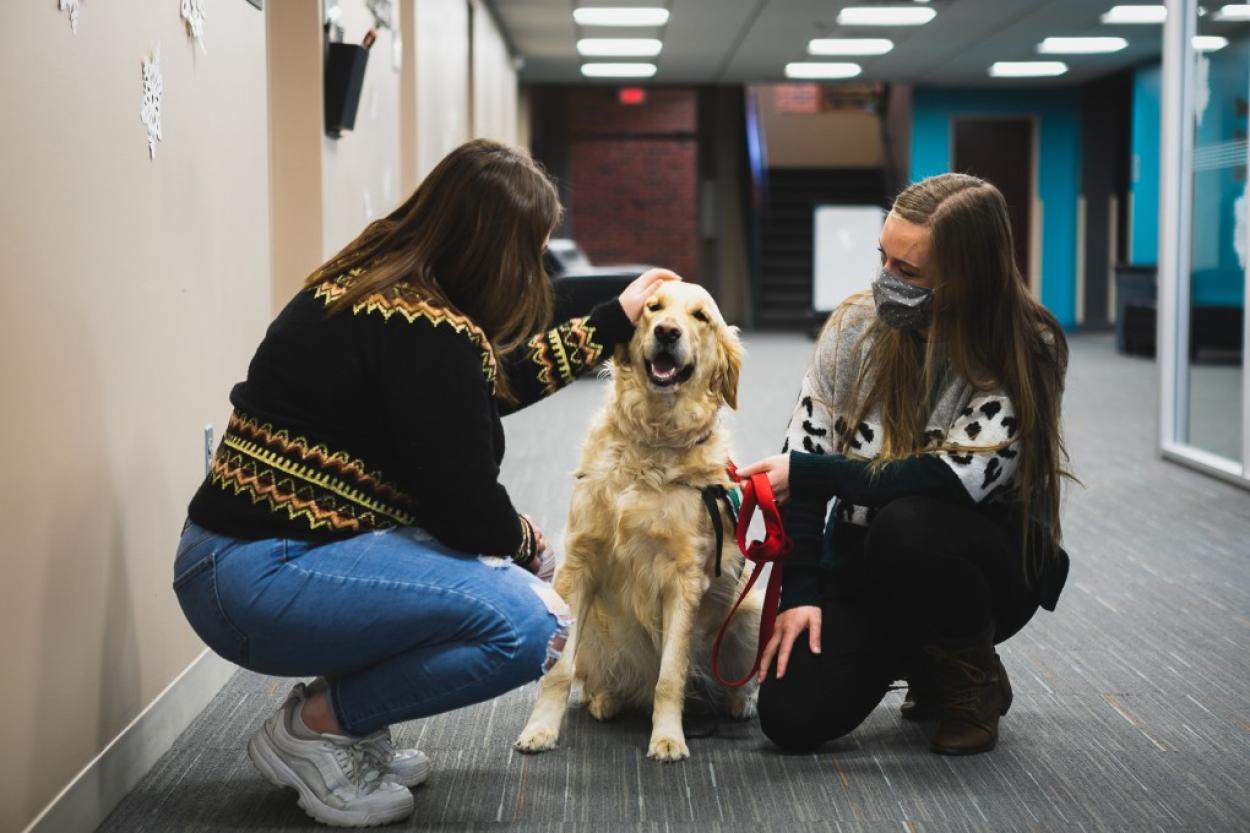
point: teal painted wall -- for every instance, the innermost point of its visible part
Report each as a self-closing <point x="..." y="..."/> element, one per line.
<point x="1219" y="175"/>
<point x="1059" y="167"/>
<point x="1220" y="179"/>
<point x="1144" y="183"/>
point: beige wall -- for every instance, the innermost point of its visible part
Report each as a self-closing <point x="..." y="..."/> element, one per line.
<point x="494" y="80"/>
<point x="442" y="79"/>
<point x="135" y="293"/>
<point x="296" y="131"/>
<point x="326" y="190"/>
<point x="137" y="290"/>
<point x="361" y="169"/>
<point x="455" y="74"/>
<point x="837" y="139"/>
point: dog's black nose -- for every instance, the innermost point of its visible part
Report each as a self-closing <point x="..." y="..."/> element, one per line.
<point x="667" y="335"/>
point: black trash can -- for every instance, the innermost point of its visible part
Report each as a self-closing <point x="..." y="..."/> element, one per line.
<point x="344" y="76"/>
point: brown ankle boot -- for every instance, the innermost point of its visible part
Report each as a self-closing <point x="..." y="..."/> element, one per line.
<point x="975" y="692"/>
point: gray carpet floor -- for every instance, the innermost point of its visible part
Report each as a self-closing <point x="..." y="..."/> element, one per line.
<point x="1132" y="707"/>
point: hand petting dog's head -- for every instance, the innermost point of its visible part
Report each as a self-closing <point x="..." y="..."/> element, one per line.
<point x="683" y="347"/>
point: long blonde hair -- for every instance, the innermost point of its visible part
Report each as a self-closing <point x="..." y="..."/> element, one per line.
<point x="994" y="334"/>
<point x="470" y="238"/>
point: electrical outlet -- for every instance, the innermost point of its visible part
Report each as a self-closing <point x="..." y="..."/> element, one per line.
<point x="208" y="448"/>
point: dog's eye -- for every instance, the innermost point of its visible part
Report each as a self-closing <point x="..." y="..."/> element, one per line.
<point x="700" y="315"/>
<point x="654" y="307"/>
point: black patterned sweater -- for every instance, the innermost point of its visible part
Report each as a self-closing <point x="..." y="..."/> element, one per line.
<point x="385" y="415"/>
<point x="972" y="461"/>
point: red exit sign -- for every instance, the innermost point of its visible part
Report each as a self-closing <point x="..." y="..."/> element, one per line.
<point x="632" y="95"/>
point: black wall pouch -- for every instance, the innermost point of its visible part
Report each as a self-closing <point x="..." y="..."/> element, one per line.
<point x="344" y="76"/>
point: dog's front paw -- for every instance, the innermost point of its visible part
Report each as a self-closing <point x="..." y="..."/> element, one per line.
<point x="668" y="749"/>
<point x="537" y="739"/>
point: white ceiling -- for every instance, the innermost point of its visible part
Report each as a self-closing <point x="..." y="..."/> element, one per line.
<point x="735" y="41"/>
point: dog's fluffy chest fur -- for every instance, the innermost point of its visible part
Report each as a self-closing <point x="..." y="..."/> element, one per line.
<point x="648" y="492"/>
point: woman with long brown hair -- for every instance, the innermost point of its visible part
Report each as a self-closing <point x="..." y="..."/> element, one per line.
<point x="930" y="415"/>
<point x="352" y="526"/>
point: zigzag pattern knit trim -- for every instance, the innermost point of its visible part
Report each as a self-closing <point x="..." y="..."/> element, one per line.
<point x="563" y="353"/>
<point x="405" y="301"/>
<point x="305" y="481"/>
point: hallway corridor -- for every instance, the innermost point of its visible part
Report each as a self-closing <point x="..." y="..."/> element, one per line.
<point x="1131" y="706"/>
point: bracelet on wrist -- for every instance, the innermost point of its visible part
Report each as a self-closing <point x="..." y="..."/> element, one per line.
<point x="526" y="552"/>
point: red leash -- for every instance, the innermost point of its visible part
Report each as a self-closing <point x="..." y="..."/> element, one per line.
<point x="774" y="549"/>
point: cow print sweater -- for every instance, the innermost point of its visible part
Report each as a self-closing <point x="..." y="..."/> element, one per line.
<point x="972" y="461"/>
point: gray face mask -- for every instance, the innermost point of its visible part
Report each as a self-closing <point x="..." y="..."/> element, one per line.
<point x="900" y="304"/>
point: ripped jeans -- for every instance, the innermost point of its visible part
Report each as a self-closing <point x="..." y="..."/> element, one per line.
<point x="400" y="626"/>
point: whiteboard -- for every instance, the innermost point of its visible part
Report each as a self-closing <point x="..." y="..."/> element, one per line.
<point x="845" y="252"/>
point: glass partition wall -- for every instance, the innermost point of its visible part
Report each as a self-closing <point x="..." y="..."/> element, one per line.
<point x="1204" y="240"/>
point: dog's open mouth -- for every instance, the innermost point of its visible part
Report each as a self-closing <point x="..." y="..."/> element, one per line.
<point x="663" y="370"/>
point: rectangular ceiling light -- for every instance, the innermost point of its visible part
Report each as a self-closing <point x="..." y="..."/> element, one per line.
<point x="1209" y="43"/>
<point x="619" y="47"/>
<point x="820" y="69"/>
<point x="885" y="16"/>
<point x="1136" y="14"/>
<point x="618" y="70"/>
<point x="849" y="46"/>
<point x="1027" y="69"/>
<point x="1236" y="12"/>
<point x="620" y="16"/>
<point x="1080" y="46"/>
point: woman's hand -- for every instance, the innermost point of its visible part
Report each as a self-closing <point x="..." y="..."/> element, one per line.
<point x="540" y="546"/>
<point x="790" y="626"/>
<point x="642" y="288"/>
<point x="778" y="470"/>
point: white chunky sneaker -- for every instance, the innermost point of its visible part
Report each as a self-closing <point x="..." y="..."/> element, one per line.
<point x="409" y="767"/>
<point x="338" y="781"/>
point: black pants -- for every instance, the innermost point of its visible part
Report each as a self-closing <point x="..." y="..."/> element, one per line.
<point x="932" y="571"/>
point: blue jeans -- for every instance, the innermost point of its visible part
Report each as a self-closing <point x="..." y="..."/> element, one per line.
<point x="400" y="626"/>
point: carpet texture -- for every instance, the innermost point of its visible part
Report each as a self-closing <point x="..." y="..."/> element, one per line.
<point x="1132" y="701"/>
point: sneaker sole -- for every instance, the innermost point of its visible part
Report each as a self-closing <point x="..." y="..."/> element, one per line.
<point x="270" y="764"/>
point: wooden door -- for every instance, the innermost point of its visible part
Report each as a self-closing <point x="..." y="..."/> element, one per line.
<point x="1001" y="151"/>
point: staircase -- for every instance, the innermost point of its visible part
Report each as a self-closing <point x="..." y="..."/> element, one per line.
<point x="785" y="291"/>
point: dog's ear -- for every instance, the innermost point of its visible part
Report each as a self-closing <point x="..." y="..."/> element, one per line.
<point x="620" y="356"/>
<point x="729" y="364"/>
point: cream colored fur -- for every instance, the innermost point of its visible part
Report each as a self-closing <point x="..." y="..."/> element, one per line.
<point x="638" y="563"/>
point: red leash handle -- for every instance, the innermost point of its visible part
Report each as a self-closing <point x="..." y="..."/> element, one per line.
<point x="774" y="549"/>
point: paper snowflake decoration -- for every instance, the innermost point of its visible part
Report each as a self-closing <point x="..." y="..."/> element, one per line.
<point x="383" y="12"/>
<point x="193" y="16"/>
<point x="153" y="89"/>
<point x="73" y="7"/>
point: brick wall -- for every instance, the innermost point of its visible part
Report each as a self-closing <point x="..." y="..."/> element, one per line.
<point x="666" y="110"/>
<point x="633" y="177"/>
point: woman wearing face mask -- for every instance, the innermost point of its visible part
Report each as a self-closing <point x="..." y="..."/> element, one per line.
<point x="930" y="415"/>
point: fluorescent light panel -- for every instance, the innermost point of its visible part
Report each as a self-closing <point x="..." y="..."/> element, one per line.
<point x="620" y="16"/>
<point x="849" y="46"/>
<point x="1136" y="14"/>
<point x="609" y="70"/>
<point x="885" y="16"/>
<point x="1233" y="12"/>
<point x="1209" y="43"/>
<point x="1080" y="46"/>
<point x="619" y="47"/>
<point x="822" y="69"/>
<point x="1027" y="69"/>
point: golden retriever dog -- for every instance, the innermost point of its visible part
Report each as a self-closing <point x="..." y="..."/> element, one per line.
<point x="639" y="564"/>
